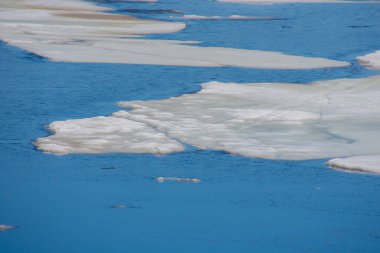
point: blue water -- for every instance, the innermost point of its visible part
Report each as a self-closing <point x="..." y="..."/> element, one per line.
<point x="63" y="204"/>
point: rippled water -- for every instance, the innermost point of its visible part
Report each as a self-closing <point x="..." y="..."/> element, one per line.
<point x="64" y="203"/>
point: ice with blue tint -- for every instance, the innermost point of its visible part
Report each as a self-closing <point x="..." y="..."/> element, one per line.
<point x="63" y="203"/>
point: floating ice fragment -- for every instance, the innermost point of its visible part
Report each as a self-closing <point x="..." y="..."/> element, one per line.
<point x="178" y="179"/>
<point x="6" y="227"/>
<point x="364" y="163"/>
<point x="371" y="60"/>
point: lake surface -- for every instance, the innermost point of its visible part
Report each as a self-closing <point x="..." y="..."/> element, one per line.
<point x="64" y="203"/>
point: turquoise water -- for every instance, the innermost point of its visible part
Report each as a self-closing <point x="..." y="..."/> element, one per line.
<point x="63" y="203"/>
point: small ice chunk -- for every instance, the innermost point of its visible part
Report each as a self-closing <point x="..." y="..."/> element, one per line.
<point x="371" y="60"/>
<point x="178" y="179"/>
<point x="6" y="227"/>
<point x="365" y="163"/>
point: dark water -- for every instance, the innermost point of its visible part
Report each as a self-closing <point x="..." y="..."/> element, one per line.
<point x="63" y="203"/>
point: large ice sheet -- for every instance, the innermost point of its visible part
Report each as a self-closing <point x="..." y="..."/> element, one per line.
<point x="365" y="163"/>
<point x="75" y="31"/>
<point x="336" y="118"/>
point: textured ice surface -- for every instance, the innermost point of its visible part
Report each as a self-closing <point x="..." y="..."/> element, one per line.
<point x="336" y="118"/>
<point x="366" y="163"/>
<point x="76" y="31"/>
<point x="106" y="135"/>
<point x="371" y="60"/>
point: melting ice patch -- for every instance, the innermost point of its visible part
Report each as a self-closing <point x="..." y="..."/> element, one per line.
<point x="336" y="118"/>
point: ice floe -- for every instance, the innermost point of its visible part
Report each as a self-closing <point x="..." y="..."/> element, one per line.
<point x="76" y="31"/>
<point x="336" y="118"/>
<point x="371" y="60"/>
<point x="364" y="163"/>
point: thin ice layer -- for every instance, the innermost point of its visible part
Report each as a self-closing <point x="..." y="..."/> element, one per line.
<point x="335" y="118"/>
<point x="365" y="163"/>
<point x="75" y="31"/>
